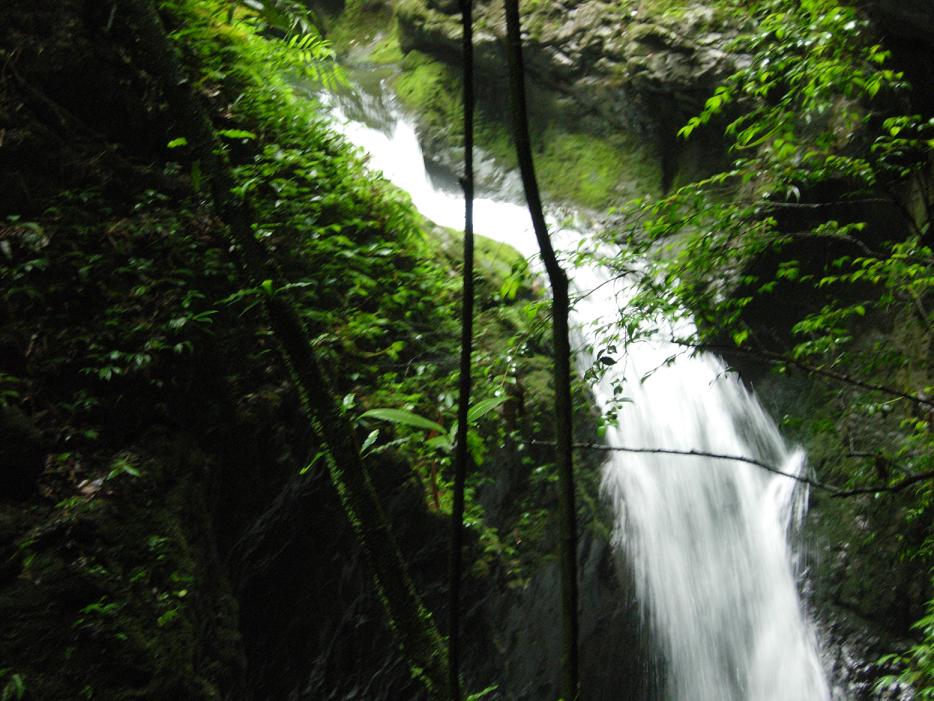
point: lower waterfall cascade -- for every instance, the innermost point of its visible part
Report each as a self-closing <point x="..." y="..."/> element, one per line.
<point x="706" y="539"/>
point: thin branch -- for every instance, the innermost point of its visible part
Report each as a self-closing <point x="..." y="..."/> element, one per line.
<point x="861" y="245"/>
<point x="773" y="357"/>
<point x="905" y="212"/>
<point x="820" y="205"/>
<point x="894" y="487"/>
<point x="461" y="456"/>
<point x="925" y="189"/>
<point x="717" y="456"/>
<point x="609" y="281"/>
<point x="834" y="491"/>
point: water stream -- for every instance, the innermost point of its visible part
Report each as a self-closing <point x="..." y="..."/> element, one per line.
<point x="707" y="540"/>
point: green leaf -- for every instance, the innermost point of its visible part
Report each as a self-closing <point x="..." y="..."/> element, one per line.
<point x="510" y="287"/>
<point x="484" y="407"/>
<point x="322" y="453"/>
<point x="441" y="442"/>
<point x="691" y="125"/>
<point x="475" y="447"/>
<point x="481" y="695"/>
<point x="236" y="134"/>
<point x="178" y="143"/>
<point x="14" y="689"/>
<point x="122" y="466"/>
<point x="196" y="176"/>
<point x="406" y="418"/>
<point x="370" y="440"/>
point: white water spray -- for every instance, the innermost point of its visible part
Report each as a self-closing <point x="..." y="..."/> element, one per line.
<point x="706" y="539"/>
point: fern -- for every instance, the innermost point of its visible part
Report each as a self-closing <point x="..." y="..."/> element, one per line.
<point x="312" y="55"/>
<point x="287" y="16"/>
<point x="300" y="47"/>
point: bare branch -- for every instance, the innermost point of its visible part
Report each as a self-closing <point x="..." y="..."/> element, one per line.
<point x="707" y="454"/>
<point x="776" y="358"/>
<point x="893" y="488"/>
<point x="834" y="491"/>
<point x="820" y="205"/>
<point x="846" y="238"/>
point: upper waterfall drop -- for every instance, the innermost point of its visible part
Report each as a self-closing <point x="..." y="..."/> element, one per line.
<point x="706" y="539"/>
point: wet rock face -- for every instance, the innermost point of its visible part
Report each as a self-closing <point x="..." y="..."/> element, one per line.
<point x="620" y="65"/>
<point x="863" y="595"/>
<point x="314" y="627"/>
<point x="849" y="647"/>
<point x="525" y="629"/>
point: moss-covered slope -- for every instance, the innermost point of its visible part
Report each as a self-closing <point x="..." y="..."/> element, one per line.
<point x="166" y="529"/>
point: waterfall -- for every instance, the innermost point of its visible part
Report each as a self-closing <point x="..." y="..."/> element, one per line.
<point x="706" y="539"/>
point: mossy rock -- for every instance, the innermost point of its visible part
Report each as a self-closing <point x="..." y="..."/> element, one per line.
<point x="573" y="167"/>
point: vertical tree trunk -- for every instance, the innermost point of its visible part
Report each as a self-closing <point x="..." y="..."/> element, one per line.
<point x="562" y="349"/>
<point x="461" y="456"/>
<point x="408" y="617"/>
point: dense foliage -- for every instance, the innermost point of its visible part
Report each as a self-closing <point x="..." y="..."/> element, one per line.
<point x="120" y="304"/>
<point x="812" y="251"/>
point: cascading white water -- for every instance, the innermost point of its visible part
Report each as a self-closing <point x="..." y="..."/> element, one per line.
<point x="706" y="538"/>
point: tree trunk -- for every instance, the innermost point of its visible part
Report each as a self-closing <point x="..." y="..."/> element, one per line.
<point x="461" y="456"/>
<point x="560" y="308"/>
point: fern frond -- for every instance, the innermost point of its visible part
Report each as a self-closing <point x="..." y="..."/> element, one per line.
<point x="287" y="16"/>
<point x="300" y="47"/>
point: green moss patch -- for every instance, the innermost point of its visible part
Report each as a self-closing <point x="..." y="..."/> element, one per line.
<point x="431" y="90"/>
<point x="593" y="171"/>
<point x="386" y="51"/>
<point x="573" y="167"/>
